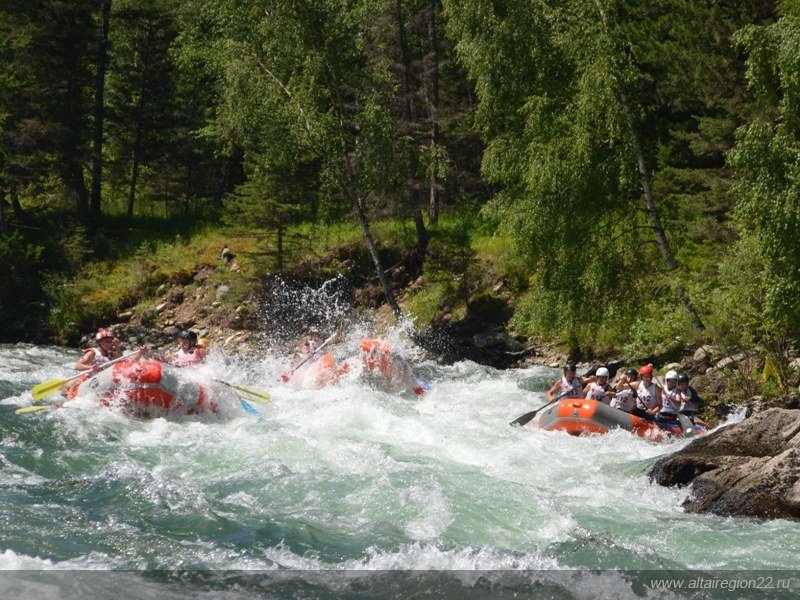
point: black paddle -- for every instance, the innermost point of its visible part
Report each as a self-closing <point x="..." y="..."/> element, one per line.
<point x="527" y="417"/>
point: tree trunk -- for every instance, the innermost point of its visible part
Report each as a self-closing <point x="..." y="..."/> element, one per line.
<point x="72" y="164"/>
<point x="433" y="106"/>
<point x="3" y="221"/>
<point x="134" y="175"/>
<point x="412" y="163"/>
<point x="99" y="110"/>
<point x="19" y="214"/>
<point x="279" y="260"/>
<point x="645" y="180"/>
<point x="373" y="250"/>
<point x="655" y="220"/>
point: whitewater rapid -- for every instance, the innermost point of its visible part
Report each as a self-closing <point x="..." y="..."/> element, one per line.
<point x="345" y="478"/>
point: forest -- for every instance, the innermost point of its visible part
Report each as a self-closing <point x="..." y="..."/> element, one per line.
<point x="638" y="161"/>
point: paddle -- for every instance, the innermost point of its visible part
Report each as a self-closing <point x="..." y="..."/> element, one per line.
<point x="249" y="408"/>
<point x="34" y="408"/>
<point x="249" y="393"/>
<point x="287" y="376"/>
<point x="46" y="388"/>
<point x="527" y="417"/>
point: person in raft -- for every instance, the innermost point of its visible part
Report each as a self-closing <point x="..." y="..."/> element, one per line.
<point x="599" y="389"/>
<point x="625" y="398"/>
<point x="384" y="369"/>
<point x="690" y="399"/>
<point x="648" y="394"/>
<point x="189" y="352"/>
<point x="307" y="348"/>
<point x="670" y="399"/>
<point x="570" y="385"/>
<point x="93" y="358"/>
<point x="107" y="349"/>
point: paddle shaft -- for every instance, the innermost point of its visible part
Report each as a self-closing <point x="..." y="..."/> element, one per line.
<point x="46" y="388"/>
<point x="287" y="376"/>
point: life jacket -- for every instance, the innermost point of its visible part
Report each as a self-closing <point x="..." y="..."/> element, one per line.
<point x="670" y="400"/>
<point x="646" y="395"/>
<point x="571" y="389"/>
<point x="194" y="355"/>
<point x="623" y="400"/>
<point x="598" y="392"/>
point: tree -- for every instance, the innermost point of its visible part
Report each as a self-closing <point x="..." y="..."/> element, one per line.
<point x="766" y="159"/>
<point x="581" y="104"/>
<point x="141" y="86"/>
<point x="296" y="82"/>
<point x="98" y="126"/>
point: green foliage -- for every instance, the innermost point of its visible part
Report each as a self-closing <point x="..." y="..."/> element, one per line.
<point x="767" y="162"/>
<point x="67" y="316"/>
<point x="20" y="295"/>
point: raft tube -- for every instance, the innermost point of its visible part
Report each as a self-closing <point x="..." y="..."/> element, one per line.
<point x="580" y="416"/>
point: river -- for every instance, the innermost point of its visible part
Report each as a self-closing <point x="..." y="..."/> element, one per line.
<point x="347" y="492"/>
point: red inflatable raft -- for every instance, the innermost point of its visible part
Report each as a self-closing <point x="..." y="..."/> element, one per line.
<point x="149" y="387"/>
<point x="579" y="416"/>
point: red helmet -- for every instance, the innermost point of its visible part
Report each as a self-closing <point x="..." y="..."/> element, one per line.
<point x="646" y="370"/>
<point x="103" y="334"/>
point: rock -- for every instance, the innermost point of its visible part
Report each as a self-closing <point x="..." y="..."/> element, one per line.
<point x="749" y="469"/>
<point x="201" y="277"/>
<point x="160" y="307"/>
<point x="673" y="366"/>
<point x="513" y="345"/>
<point x="125" y="316"/>
<point x="728" y="361"/>
<point x="222" y="290"/>
<point x="484" y="340"/>
<point x="704" y="354"/>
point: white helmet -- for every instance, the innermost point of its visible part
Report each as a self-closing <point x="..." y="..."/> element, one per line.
<point x="603" y="372"/>
<point x="671" y="375"/>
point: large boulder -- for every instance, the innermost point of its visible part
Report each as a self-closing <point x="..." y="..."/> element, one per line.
<point x="749" y="469"/>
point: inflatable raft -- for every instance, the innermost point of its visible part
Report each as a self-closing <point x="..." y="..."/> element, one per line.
<point x="579" y="416"/>
<point x="385" y="370"/>
<point x="147" y="388"/>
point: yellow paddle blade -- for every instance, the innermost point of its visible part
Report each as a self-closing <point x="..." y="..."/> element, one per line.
<point x="252" y="394"/>
<point x="44" y="389"/>
<point x="247" y="392"/>
<point x="31" y="409"/>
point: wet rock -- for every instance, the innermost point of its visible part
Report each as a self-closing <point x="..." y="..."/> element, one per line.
<point x="485" y="340"/>
<point x="749" y="469"/>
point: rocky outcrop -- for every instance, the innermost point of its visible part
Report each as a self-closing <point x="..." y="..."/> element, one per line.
<point x="749" y="469"/>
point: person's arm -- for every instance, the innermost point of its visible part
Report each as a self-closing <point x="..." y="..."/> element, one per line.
<point x="86" y="361"/>
<point x="553" y="390"/>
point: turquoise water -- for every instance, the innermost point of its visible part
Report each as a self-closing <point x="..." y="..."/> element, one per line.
<point x="348" y="492"/>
